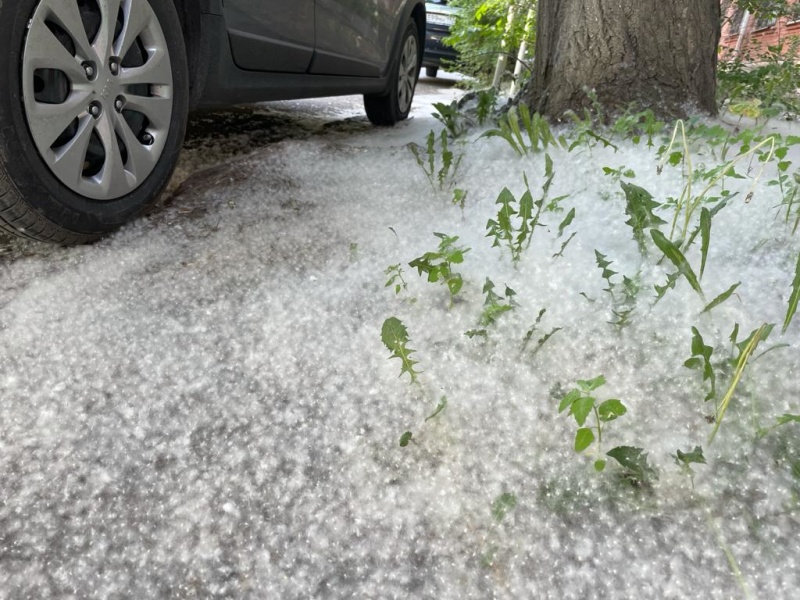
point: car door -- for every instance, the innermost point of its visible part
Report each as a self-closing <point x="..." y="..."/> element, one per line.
<point x="354" y="37"/>
<point x="271" y="35"/>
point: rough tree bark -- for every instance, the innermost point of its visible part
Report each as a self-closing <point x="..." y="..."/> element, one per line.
<point x="660" y="54"/>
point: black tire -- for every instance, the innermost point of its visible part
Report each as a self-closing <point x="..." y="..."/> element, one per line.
<point x="431" y="71"/>
<point x="393" y="105"/>
<point x="35" y="201"/>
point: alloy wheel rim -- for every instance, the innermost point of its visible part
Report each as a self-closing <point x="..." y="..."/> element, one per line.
<point x="97" y="93"/>
<point x="407" y="77"/>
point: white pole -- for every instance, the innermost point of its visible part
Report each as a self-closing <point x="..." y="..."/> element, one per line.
<point x="523" y="50"/>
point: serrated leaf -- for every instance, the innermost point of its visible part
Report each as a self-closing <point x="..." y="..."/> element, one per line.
<point x="502" y="505"/>
<point x="395" y="337"/>
<point x="611" y="409"/>
<point x="405" y="439"/>
<point x="583" y="439"/>
<point x="721" y="298"/>
<point x="639" y="208"/>
<point x="567" y="400"/>
<point x="676" y="257"/>
<point x="634" y="460"/>
<point x="695" y="456"/>
<point x="581" y="408"/>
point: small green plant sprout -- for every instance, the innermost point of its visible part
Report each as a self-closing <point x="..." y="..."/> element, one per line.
<point x="438" y="265"/>
<point x="517" y="219"/>
<point x="619" y="173"/>
<point x="408" y="436"/>
<point x="746" y="349"/>
<point x="793" y="298"/>
<point x="450" y="116"/>
<point x="685" y="460"/>
<point x="581" y="404"/>
<point x="676" y="257"/>
<point x="542" y="340"/>
<point x="639" y="206"/>
<point x="701" y="360"/>
<point x="495" y="304"/>
<point x="395" y="273"/>
<point x="504" y="504"/>
<point x="440" y="177"/>
<point x="634" y="462"/>
<point x="517" y="124"/>
<point x="394" y="336"/>
<point x="460" y="198"/>
<point x="784" y="419"/>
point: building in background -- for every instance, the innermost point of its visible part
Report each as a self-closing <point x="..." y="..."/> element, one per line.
<point x="746" y="35"/>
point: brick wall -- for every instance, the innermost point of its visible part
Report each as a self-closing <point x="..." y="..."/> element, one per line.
<point x="757" y="35"/>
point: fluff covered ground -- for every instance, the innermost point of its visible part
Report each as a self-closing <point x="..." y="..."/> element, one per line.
<point x="201" y="405"/>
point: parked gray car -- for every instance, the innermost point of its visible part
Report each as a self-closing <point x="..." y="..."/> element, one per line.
<point x="94" y="94"/>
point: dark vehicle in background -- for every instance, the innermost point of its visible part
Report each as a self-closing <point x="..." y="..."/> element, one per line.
<point x="94" y="94"/>
<point x="440" y="17"/>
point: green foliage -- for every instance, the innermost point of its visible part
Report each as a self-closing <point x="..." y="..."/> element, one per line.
<point x="793" y="298"/>
<point x="701" y="360"/>
<point x="503" y="505"/>
<point x="516" y="219"/>
<point x="439" y="165"/>
<point x="478" y="33"/>
<point x="634" y="460"/>
<point x="721" y="298"/>
<point x="518" y="124"/>
<point x="438" y="265"/>
<point x="395" y="273"/>
<point x="761" y="83"/>
<point x="406" y="438"/>
<point x="581" y="403"/>
<point x="394" y="336"/>
<point x="639" y="206"/>
<point x="676" y="257"/>
<point x="495" y="305"/>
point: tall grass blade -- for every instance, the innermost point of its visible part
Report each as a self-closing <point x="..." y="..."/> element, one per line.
<point x="705" y="237"/>
<point x="721" y="298"/>
<point x="794" y="298"/>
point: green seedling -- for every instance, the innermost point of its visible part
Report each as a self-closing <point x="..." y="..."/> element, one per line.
<point x="604" y="264"/>
<point x="580" y="404"/>
<point x="639" y="206"/>
<point x="440" y="177"/>
<point x="503" y="505"/>
<point x="618" y="173"/>
<point x="623" y="304"/>
<point x="438" y="265"/>
<point x="542" y="340"/>
<point x="517" y="124"/>
<point x="394" y="336"/>
<point x="495" y="304"/>
<point x="395" y="273"/>
<point x="701" y="360"/>
<point x="560" y="252"/>
<point x="450" y="116"/>
<point x="634" y="462"/>
<point x="517" y="219"/>
<point x="793" y="298"/>
<point x="685" y="460"/>
<point x="408" y="436"/>
<point x="784" y="419"/>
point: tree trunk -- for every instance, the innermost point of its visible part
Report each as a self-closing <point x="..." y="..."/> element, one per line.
<point x="660" y="54"/>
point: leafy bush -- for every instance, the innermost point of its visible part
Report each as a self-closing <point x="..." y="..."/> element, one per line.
<point x="762" y="83"/>
<point x="478" y="35"/>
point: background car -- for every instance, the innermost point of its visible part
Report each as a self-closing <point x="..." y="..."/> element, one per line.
<point x="94" y="94"/>
<point x="440" y="17"/>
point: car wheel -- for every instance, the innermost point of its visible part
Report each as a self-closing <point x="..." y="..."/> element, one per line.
<point x="394" y="105"/>
<point x="93" y="107"/>
<point x="431" y="71"/>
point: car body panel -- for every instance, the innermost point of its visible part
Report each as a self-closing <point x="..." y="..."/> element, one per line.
<point x="271" y="35"/>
